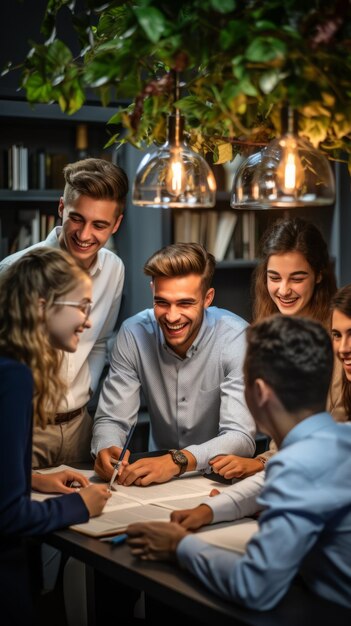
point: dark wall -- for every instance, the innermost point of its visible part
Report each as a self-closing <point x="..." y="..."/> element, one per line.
<point x="19" y="25"/>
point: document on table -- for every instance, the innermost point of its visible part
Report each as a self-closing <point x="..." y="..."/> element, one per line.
<point x="230" y="535"/>
<point x="154" y="502"/>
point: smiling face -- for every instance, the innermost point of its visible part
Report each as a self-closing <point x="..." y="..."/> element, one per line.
<point x="179" y="304"/>
<point x="86" y="226"/>
<point x="341" y="336"/>
<point x="291" y="282"/>
<point x="65" y="323"/>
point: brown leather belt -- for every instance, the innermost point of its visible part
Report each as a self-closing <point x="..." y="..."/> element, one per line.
<point x="60" y="418"/>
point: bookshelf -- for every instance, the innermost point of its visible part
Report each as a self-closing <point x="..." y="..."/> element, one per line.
<point x="35" y="144"/>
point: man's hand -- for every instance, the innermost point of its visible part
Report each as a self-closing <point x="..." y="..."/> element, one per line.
<point x="155" y="541"/>
<point x="59" y="482"/>
<point x="232" y="466"/>
<point x="192" y="519"/>
<point x="106" y="460"/>
<point x="153" y="469"/>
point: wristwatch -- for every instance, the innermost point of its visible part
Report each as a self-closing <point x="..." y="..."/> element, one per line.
<point x="179" y="459"/>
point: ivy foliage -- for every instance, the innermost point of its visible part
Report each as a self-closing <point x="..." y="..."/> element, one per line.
<point x="238" y="63"/>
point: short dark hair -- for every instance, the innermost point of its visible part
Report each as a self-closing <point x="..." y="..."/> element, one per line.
<point x="182" y="259"/>
<point x="96" y="178"/>
<point x="294" y="356"/>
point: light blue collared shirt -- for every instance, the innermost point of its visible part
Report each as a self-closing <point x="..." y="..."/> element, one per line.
<point x="305" y="526"/>
<point x="195" y="403"/>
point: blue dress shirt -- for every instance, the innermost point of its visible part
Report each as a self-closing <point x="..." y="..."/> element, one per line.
<point x="305" y="526"/>
<point x="195" y="403"/>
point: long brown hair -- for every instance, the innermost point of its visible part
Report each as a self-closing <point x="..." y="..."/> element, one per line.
<point x="342" y="302"/>
<point x="288" y="235"/>
<point x="42" y="274"/>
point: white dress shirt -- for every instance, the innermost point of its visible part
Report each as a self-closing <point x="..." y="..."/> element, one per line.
<point x="81" y="370"/>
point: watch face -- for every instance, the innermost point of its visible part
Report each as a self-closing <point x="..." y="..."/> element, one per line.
<point x="180" y="459"/>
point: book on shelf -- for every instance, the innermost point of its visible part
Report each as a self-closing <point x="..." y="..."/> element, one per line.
<point x="203" y="227"/>
<point x="45" y="170"/>
<point x="155" y="503"/>
<point x="190" y="226"/>
<point x="212" y="221"/>
<point x="244" y="242"/>
<point x="17" y="169"/>
<point x="246" y="235"/>
<point x="47" y="223"/>
<point x="225" y="229"/>
<point x="195" y="227"/>
<point x="56" y="178"/>
<point x="28" y="230"/>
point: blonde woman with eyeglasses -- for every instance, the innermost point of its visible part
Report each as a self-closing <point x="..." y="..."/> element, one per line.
<point x="45" y="300"/>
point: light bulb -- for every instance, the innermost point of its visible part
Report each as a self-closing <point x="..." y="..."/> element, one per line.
<point x="176" y="174"/>
<point x="290" y="172"/>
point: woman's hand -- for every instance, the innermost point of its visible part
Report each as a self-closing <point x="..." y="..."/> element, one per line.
<point x="192" y="519"/>
<point x="95" y="498"/>
<point x="232" y="466"/>
<point x="59" y="482"/>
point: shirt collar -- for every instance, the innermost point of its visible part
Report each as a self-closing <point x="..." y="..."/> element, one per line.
<point x="307" y="427"/>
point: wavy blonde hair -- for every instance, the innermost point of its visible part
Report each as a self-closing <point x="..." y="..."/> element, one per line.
<point x="47" y="274"/>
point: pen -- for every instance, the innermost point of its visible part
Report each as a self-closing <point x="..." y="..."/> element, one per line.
<point x="124" y="450"/>
<point x="116" y="540"/>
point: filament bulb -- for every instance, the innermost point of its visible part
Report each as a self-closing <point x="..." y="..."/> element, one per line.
<point x="290" y="172"/>
<point x="176" y="175"/>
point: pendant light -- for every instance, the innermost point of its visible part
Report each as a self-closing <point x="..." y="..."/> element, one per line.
<point x="288" y="173"/>
<point x="174" y="176"/>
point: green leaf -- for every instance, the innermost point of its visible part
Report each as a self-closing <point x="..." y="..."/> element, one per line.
<point x="57" y="53"/>
<point x="266" y="49"/>
<point x="152" y="22"/>
<point x="223" y="6"/>
<point x="37" y="89"/>
<point x="231" y="34"/>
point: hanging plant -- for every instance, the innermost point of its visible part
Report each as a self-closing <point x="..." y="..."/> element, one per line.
<point x="239" y="63"/>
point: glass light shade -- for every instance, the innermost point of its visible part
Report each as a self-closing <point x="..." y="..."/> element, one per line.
<point x="289" y="173"/>
<point x="174" y="176"/>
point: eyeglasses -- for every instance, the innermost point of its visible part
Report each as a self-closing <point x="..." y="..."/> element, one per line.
<point x="85" y="307"/>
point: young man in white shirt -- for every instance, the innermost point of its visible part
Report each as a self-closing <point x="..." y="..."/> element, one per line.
<point x="91" y="210"/>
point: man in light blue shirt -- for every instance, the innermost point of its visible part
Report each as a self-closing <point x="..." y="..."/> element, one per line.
<point x="305" y="524"/>
<point x="187" y="358"/>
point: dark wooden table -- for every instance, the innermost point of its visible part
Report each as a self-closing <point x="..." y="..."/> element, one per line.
<point x="178" y="592"/>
